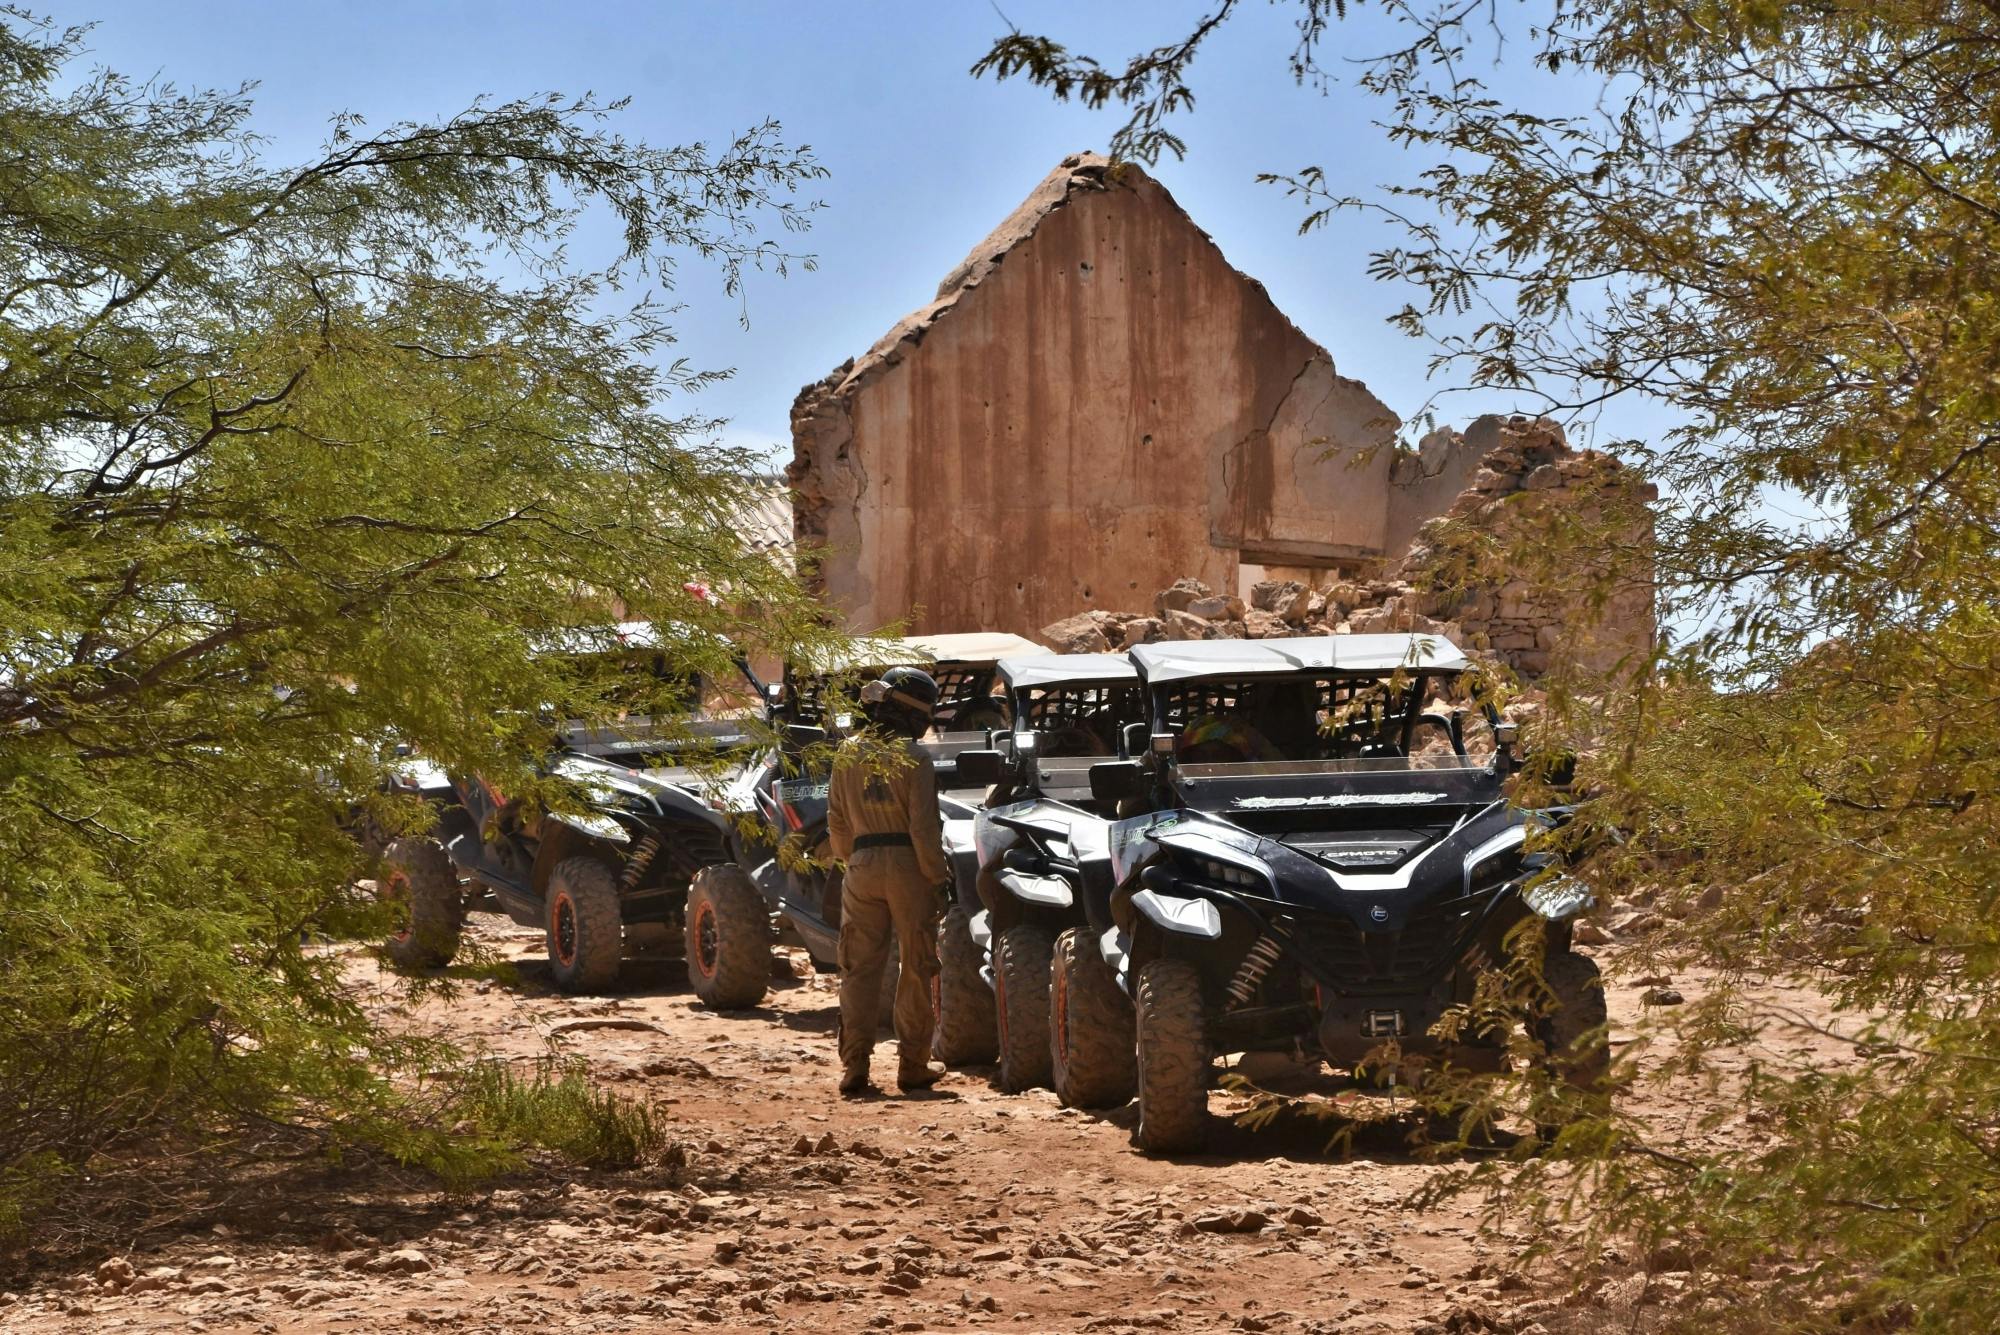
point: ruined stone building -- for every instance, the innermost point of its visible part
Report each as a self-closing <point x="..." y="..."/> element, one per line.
<point x="1095" y="405"/>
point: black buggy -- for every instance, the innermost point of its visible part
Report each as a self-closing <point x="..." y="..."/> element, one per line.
<point x="645" y="868"/>
<point x="791" y="865"/>
<point x="1022" y="978"/>
<point x="1327" y="866"/>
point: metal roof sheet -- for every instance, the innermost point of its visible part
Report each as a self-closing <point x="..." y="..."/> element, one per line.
<point x="1067" y="669"/>
<point x="926" y="651"/>
<point x="1183" y="660"/>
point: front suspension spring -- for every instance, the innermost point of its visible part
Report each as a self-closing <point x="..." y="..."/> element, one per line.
<point x="641" y="858"/>
<point x="1256" y="963"/>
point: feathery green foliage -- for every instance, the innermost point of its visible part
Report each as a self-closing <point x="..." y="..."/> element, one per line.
<point x="1778" y="220"/>
<point x="296" y="462"/>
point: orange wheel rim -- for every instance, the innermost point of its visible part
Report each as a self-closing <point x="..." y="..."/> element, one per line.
<point x="396" y="890"/>
<point x="1061" y="1003"/>
<point x="564" y="936"/>
<point x="706" y="948"/>
<point x="1000" y="1006"/>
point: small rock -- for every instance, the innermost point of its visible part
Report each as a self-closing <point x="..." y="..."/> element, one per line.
<point x="116" y="1270"/>
<point x="603" y="1022"/>
<point x="402" y="1261"/>
<point x="1232" y="1221"/>
<point x="1661" y="996"/>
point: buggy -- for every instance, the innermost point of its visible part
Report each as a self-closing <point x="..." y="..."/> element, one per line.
<point x="1022" y="977"/>
<point x="1326" y="862"/>
<point x="645" y="868"/>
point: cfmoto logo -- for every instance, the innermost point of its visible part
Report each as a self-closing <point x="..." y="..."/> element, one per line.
<point x="1378" y="913"/>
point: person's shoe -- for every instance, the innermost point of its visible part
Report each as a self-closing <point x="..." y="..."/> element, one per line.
<point x="919" y="1077"/>
<point x="855" y="1082"/>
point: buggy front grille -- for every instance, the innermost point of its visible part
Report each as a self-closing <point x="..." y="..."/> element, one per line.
<point x="1360" y="962"/>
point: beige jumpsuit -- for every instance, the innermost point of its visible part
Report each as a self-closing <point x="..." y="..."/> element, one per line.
<point x="890" y="894"/>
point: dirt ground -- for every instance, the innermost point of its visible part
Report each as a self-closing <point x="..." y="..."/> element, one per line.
<point x="783" y="1208"/>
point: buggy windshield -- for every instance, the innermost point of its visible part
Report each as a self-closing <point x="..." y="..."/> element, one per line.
<point x="1079" y="719"/>
<point x="1307" y="723"/>
<point x="966" y="702"/>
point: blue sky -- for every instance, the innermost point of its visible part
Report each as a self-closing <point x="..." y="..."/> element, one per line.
<point x="924" y="159"/>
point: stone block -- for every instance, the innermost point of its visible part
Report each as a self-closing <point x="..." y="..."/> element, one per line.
<point x="1296" y="605"/>
<point x="1140" y="630"/>
<point x="1080" y="634"/>
<point x="1216" y="607"/>
<point x="1179" y="595"/>
<point x="1181" y="625"/>
<point x="1261" y="625"/>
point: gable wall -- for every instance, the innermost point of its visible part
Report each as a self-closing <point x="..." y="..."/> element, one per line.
<point x="1107" y="408"/>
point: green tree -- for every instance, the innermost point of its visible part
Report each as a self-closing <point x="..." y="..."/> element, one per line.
<point x="295" y="461"/>
<point x="1779" y="222"/>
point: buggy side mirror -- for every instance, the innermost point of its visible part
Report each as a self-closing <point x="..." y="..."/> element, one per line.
<point x="1132" y="740"/>
<point x="799" y="736"/>
<point x="981" y="768"/>
<point x="1117" y="780"/>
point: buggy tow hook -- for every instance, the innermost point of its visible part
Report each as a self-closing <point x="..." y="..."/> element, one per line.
<point x="1382" y="1024"/>
<point x="640" y="859"/>
<point x="1256" y="963"/>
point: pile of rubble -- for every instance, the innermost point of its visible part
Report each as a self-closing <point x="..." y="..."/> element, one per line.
<point x="1529" y="471"/>
<point x="1190" y="610"/>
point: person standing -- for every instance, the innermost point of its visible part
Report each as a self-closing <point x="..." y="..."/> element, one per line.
<point x="883" y="823"/>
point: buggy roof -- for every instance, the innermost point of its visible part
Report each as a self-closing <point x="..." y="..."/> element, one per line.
<point x="1188" y="660"/>
<point x="980" y="647"/>
<point x="1067" y="670"/>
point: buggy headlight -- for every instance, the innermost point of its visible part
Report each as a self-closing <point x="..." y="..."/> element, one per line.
<point x="1558" y="897"/>
<point x="1493" y="857"/>
<point x="1222" y="873"/>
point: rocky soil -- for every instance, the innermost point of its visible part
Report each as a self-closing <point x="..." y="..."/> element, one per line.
<point x="780" y="1207"/>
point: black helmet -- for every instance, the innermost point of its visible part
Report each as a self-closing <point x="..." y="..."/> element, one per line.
<point x="904" y="697"/>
